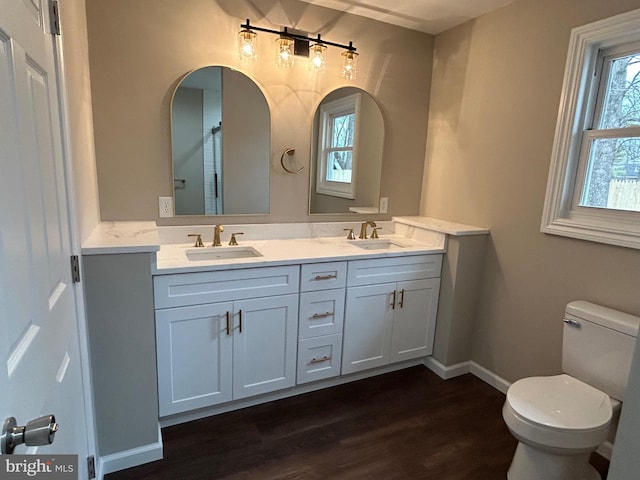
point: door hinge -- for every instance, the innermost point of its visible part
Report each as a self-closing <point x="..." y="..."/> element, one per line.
<point x="91" y="467"/>
<point x="54" y="16"/>
<point x="75" y="269"/>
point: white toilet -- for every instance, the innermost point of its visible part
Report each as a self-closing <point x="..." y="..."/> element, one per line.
<point x="560" y="420"/>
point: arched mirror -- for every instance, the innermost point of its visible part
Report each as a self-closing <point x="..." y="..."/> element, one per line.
<point x="221" y="144"/>
<point x="346" y="153"/>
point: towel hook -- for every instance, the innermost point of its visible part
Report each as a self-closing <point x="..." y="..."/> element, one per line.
<point x="290" y="152"/>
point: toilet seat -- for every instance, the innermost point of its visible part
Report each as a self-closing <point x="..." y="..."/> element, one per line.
<point x="558" y="411"/>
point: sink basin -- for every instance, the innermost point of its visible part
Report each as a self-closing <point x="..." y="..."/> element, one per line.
<point x="378" y="244"/>
<point x="221" y="253"/>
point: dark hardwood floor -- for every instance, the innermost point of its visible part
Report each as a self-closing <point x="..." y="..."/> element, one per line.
<point x="403" y="425"/>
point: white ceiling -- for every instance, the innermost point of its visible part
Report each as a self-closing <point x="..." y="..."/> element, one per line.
<point x="430" y="16"/>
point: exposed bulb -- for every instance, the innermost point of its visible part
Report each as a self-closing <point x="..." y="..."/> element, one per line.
<point x="284" y="57"/>
<point x="318" y="57"/>
<point x="350" y="66"/>
<point x="247" y="44"/>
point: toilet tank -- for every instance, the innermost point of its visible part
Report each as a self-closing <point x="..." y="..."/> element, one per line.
<point x="598" y="345"/>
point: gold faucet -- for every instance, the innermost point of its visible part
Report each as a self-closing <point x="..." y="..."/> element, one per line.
<point x="216" y="235"/>
<point x="363" y="229"/>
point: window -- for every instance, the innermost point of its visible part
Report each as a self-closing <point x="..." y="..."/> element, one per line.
<point x="594" y="181"/>
<point x="337" y="147"/>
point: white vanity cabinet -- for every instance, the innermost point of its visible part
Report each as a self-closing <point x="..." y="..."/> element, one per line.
<point x="391" y="307"/>
<point x="322" y="287"/>
<point x="225" y="335"/>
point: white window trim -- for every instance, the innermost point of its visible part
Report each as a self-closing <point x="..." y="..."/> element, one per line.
<point x="324" y="186"/>
<point x="561" y="215"/>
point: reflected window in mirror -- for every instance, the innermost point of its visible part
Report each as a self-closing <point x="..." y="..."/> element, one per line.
<point x="347" y="148"/>
<point x="338" y="155"/>
<point x="221" y="144"/>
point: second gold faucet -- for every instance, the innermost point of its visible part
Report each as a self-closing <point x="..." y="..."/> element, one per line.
<point x="363" y="229"/>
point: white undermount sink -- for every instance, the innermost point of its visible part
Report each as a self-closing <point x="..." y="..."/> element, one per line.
<point x="221" y="253"/>
<point x="378" y="244"/>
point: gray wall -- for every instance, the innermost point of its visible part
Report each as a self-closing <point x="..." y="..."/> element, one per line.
<point x="119" y="302"/>
<point x="496" y="90"/>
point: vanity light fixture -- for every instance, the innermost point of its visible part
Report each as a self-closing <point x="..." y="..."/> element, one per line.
<point x="292" y="43"/>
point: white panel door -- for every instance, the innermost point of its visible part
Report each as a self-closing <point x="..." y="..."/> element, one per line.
<point x="194" y="353"/>
<point x="40" y="372"/>
<point x="264" y="345"/>
<point x="368" y="325"/>
<point x="414" y="322"/>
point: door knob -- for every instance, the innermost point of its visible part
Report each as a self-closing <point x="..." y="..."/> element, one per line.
<point x="40" y="431"/>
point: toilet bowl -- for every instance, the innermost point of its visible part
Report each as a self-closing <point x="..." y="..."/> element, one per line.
<point x="560" y="420"/>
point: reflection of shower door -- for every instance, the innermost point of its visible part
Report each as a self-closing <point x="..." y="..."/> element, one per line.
<point x="217" y="169"/>
<point x="212" y="179"/>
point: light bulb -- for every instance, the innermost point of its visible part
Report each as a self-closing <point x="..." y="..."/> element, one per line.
<point x="247" y="44"/>
<point x="318" y="57"/>
<point x="350" y="66"/>
<point x="284" y="57"/>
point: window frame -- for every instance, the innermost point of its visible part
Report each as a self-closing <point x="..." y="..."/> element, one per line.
<point x="341" y="106"/>
<point x="562" y="214"/>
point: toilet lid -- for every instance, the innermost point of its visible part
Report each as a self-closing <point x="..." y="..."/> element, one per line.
<point x="560" y="401"/>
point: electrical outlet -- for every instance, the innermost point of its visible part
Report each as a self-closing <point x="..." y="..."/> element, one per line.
<point x="165" y="205"/>
<point x="384" y="204"/>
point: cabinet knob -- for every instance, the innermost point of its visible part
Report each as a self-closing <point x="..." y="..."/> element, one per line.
<point x="393" y="300"/>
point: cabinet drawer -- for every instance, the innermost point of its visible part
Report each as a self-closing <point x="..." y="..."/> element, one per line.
<point x="396" y="269"/>
<point x="322" y="276"/>
<point x="319" y="358"/>
<point x="209" y="287"/>
<point x="321" y="313"/>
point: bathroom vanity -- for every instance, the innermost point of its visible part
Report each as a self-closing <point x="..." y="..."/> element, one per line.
<point x="179" y="332"/>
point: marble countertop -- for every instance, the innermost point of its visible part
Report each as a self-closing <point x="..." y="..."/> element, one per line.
<point x="442" y="226"/>
<point x="172" y="258"/>
<point x="277" y="243"/>
<point x="122" y="237"/>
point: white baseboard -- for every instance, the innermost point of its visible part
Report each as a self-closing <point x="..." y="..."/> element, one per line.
<point x="489" y="377"/>
<point x="446" y="372"/>
<point x="450" y="371"/>
<point x="130" y="458"/>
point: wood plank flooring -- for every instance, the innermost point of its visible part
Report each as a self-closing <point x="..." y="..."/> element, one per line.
<point x="403" y="425"/>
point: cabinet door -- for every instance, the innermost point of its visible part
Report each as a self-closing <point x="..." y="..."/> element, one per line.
<point x="194" y="355"/>
<point x="415" y="319"/>
<point x="367" y="327"/>
<point x="264" y="345"/>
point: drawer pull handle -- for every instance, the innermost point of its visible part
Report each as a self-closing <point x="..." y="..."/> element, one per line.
<point x="402" y="298"/>
<point x="326" y="277"/>
<point x="320" y="360"/>
<point x="228" y="329"/>
<point x="393" y="300"/>
<point x="240" y="315"/>
<point x="322" y="315"/>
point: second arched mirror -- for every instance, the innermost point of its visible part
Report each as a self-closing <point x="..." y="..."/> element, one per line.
<point x="221" y="137"/>
<point x="346" y="153"/>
